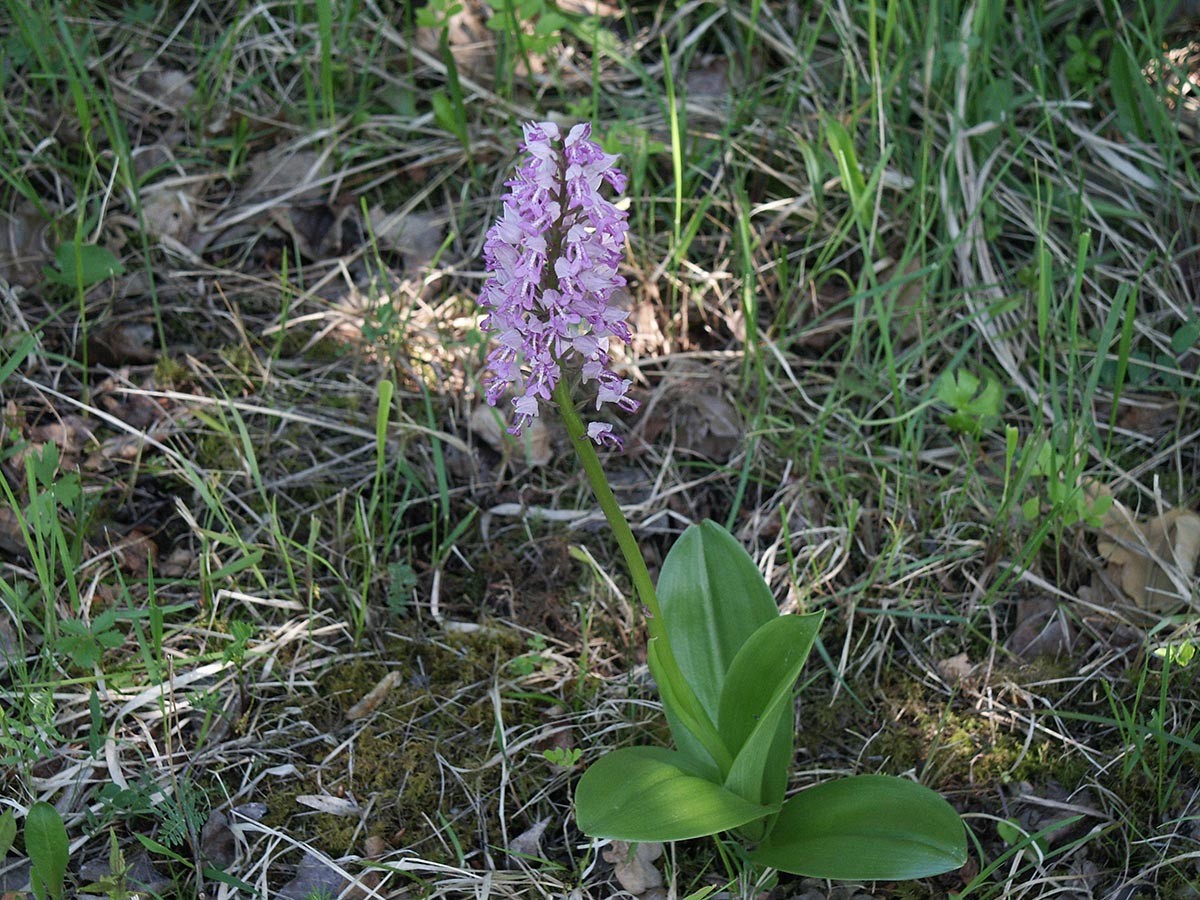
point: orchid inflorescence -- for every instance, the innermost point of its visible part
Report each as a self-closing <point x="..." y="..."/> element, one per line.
<point x="552" y="258"/>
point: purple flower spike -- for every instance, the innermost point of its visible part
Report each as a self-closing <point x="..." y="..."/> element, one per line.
<point x="552" y="260"/>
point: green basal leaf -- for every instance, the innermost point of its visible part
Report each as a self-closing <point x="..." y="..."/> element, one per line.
<point x="713" y="598"/>
<point x="756" y="704"/>
<point x="48" y="848"/>
<point x="690" y="746"/>
<point x="870" y="827"/>
<point x="653" y="794"/>
<point x="8" y="831"/>
<point x="83" y="264"/>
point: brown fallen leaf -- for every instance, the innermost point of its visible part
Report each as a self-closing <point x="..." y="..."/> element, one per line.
<point x="218" y="843"/>
<point x="119" y="343"/>
<point x="374" y="697"/>
<point x="317" y="878"/>
<point x="534" y="443"/>
<point x="135" y="553"/>
<point x="140" y="873"/>
<point x="169" y="214"/>
<point x="529" y="841"/>
<point x="416" y="236"/>
<point x="1153" y="559"/>
<point x="1145" y="414"/>
<point x="1041" y="629"/>
<point x="696" y="413"/>
<point x="71" y="433"/>
<point x="471" y="44"/>
<point x="633" y="865"/>
<point x="24" y="245"/>
<point x="955" y="669"/>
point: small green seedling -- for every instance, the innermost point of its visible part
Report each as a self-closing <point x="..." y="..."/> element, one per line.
<point x="1179" y="654"/>
<point x="83" y="265"/>
<point x="561" y="756"/>
<point x="533" y="661"/>
<point x="113" y="885"/>
<point x="1084" y="68"/>
<point x="1060" y="473"/>
<point x="975" y="404"/>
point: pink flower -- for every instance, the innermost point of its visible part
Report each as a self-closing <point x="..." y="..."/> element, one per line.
<point x="552" y="259"/>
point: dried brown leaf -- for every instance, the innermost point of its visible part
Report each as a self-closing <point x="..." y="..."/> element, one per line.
<point x="70" y="433"/>
<point x="314" y="878"/>
<point x="218" y="843"/>
<point x="24" y="245"/>
<point x="120" y="343"/>
<point x="1041" y="629"/>
<point x="136" y="553"/>
<point x="169" y="214"/>
<point x="710" y="80"/>
<point x="1153" y="559"/>
<point x="529" y="841"/>
<point x="633" y="865"/>
<point x="416" y="236"/>
<point x="288" y="172"/>
<point x="1148" y="415"/>
<point x="327" y="803"/>
<point x="471" y="44"/>
<point x="534" y="442"/>
<point x="955" y="669"/>
<point x="374" y="697"/>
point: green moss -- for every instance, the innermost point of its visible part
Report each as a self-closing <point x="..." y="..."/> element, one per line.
<point x="420" y="755"/>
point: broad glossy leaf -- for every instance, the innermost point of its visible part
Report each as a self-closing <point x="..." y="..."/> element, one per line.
<point x="756" y="704"/>
<point x="652" y="794"/>
<point x="866" y="827"/>
<point x="713" y="598"/>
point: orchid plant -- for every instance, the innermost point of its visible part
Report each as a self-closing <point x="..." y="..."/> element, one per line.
<point x="724" y="659"/>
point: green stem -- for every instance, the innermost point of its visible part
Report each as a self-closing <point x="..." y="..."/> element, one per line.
<point x="686" y="705"/>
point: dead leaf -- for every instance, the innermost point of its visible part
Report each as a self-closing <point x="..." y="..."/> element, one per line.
<point x="471" y="44"/>
<point x="374" y="697"/>
<point x="529" y="841"/>
<point x="1041" y="629"/>
<point x="285" y="174"/>
<point x="168" y="89"/>
<point x="24" y="245"/>
<point x="70" y="433"/>
<point x="633" y="865"/>
<point x="218" y="843"/>
<point x="169" y="214"/>
<point x="135" y="553"/>
<point x="134" y="409"/>
<point x="9" y="648"/>
<point x="327" y="803"/>
<point x="709" y="80"/>
<point x="319" y="231"/>
<point x="1153" y="559"/>
<point x="534" y="442"/>
<point x="119" y="343"/>
<point x="140" y="873"/>
<point x="316" y="878"/>
<point x="177" y="563"/>
<point x="417" y="236"/>
<point x="1145" y="414"/>
<point x="955" y="669"/>
<point x="700" y="417"/>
